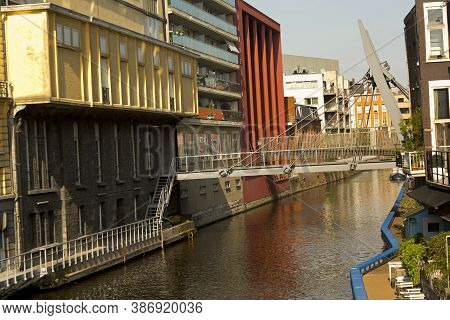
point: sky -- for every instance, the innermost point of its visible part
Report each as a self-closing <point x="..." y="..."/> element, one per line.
<point x="328" y="29"/>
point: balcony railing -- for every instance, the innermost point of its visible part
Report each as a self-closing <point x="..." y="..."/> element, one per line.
<point x="413" y="163"/>
<point x="437" y="167"/>
<point x="230" y="2"/>
<point x="205" y="48"/>
<point x="218" y="84"/>
<point x="204" y="16"/>
<point x="233" y="115"/>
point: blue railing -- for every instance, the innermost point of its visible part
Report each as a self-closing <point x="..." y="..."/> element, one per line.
<point x="202" y="15"/>
<point x="356" y="273"/>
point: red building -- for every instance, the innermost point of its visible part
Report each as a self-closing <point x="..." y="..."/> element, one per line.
<point x="262" y="75"/>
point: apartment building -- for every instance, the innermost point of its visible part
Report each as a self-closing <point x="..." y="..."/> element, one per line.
<point x="97" y="96"/>
<point x="369" y="110"/>
<point x="315" y="82"/>
<point x="208" y="29"/>
<point x="427" y="46"/>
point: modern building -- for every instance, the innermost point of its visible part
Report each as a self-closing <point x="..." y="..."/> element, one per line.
<point x="316" y="82"/>
<point x="208" y="29"/>
<point x="369" y="110"/>
<point x="97" y="96"/>
<point x="427" y="45"/>
<point x="261" y="74"/>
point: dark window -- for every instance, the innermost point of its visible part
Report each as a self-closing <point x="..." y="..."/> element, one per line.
<point x="120" y="212"/>
<point x="442" y="103"/>
<point x="433" y="227"/>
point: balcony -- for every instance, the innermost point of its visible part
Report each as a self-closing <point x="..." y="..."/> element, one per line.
<point x="220" y="115"/>
<point x="204" y="16"/>
<point x="413" y="163"/>
<point x="437" y="168"/>
<point x="202" y="47"/>
<point x="222" y="86"/>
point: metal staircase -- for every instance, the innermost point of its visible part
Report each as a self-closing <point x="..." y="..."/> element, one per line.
<point x="161" y="198"/>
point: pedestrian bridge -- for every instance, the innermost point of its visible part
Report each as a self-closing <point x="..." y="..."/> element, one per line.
<point x="297" y="155"/>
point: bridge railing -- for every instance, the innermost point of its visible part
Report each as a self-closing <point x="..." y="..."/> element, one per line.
<point x="277" y="158"/>
<point x="41" y="261"/>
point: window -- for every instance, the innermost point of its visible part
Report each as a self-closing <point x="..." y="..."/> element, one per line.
<point x="101" y="210"/>
<point x="134" y="149"/>
<point x="67" y="36"/>
<point x="170" y="63"/>
<point x="184" y="194"/>
<point x="36" y="153"/>
<point x="120" y="214"/>
<point x="401" y="100"/>
<point x="123" y="48"/>
<point x="103" y="45"/>
<point x="441" y="101"/>
<point x="215" y="187"/>
<point x="236" y="142"/>
<point x="433" y="227"/>
<point x="202" y="190"/>
<point x="376" y="122"/>
<point x="140" y="55"/>
<point x="75" y="38"/>
<point x="153" y="6"/>
<point x="238" y="184"/>
<point x="98" y="152"/>
<point x="311" y="101"/>
<point x="117" y="150"/>
<point x="186" y="68"/>
<point x="105" y="79"/>
<point x="156" y="59"/>
<point x="292" y="85"/>
<point x="82" y="224"/>
<point x="44" y="229"/>
<point x="77" y="151"/>
<point x="135" y="204"/>
<point x="59" y="33"/>
<point x="404" y="110"/>
<point x="227" y="186"/>
<point x="436" y="31"/>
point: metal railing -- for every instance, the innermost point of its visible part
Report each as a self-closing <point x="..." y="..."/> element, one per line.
<point x="202" y="47"/>
<point x="356" y="273"/>
<point x="204" y="16"/>
<point x="218" y="84"/>
<point x="277" y="158"/>
<point x="413" y="163"/>
<point x="233" y="115"/>
<point x="437" y="167"/>
<point x="45" y="260"/>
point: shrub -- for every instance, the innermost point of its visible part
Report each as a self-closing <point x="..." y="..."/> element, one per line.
<point x="438" y="263"/>
<point x="411" y="254"/>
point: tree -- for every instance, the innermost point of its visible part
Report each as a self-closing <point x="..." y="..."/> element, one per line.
<point x="411" y="254"/>
<point x="412" y="130"/>
<point x="438" y="261"/>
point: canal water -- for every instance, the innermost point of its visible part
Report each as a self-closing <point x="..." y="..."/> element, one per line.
<point x="298" y="248"/>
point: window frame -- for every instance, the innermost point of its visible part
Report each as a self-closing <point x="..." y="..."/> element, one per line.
<point x="427" y="6"/>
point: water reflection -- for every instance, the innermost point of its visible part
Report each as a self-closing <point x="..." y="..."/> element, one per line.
<point x="298" y="248"/>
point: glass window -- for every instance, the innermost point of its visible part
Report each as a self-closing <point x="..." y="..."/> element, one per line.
<point x="186" y="68"/>
<point x="437" y="42"/>
<point x="105" y="76"/>
<point x="75" y="38"/>
<point x="170" y="63"/>
<point x="59" y="33"/>
<point x="140" y="55"/>
<point x="67" y="36"/>
<point x="441" y="103"/>
<point x="103" y="45"/>
<point x="156" y="59"/>
<point x="435" y="16"/>
<point x="443" y="134"/>
<point x="123" y="49"/>
<point x="433" y="227"/>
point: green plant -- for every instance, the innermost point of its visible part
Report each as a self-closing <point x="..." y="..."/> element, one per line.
<point x="438" y="263"/>
<point x="412" y="130"/>
<point x="411" y="254"/>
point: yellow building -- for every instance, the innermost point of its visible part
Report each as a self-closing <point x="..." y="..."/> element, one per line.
<point x="61" y="56"/>
<point x="369" y="110"/>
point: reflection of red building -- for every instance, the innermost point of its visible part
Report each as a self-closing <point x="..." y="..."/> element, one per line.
<point x="262" y="75"/>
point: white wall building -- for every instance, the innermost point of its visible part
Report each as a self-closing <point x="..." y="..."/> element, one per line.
<point x="308" y="90"/>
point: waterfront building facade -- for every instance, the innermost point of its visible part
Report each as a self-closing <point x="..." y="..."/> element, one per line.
<point x="427" y="46"/>
<point x="369" y="110"/>
<point x="97" y="93"/>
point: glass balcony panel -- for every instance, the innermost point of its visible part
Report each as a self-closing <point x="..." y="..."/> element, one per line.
<point x="218" y="84"/>
<point x="202" y="15"/>
<point x="205" y="48"/>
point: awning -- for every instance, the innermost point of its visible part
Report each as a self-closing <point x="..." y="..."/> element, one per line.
<point x="446" y="218"/>
<point x="430" y="197"/>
